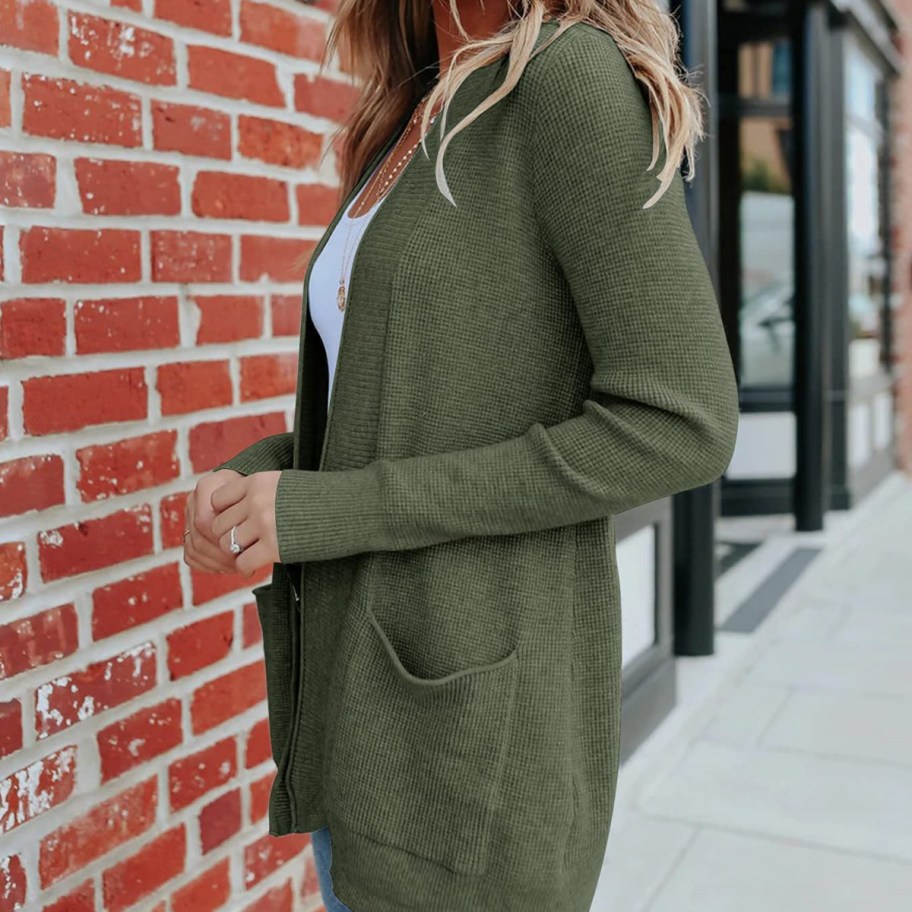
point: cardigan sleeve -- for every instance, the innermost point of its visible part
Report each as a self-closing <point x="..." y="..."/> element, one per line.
<point x="271" y="454"/>
<point x="662" y="411"/>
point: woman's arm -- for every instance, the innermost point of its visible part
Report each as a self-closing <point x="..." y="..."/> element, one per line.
<point x="662" y="412"/>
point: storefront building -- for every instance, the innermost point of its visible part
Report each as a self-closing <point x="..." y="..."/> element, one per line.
<point x="792" y="205"/>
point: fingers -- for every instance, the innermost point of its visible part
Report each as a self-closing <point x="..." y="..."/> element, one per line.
<point x="245" y="535"/>
<point x="228" y="494"/>
<point x="232" y="516"/>
<point x="200" y="552"/>
<point x="253" y="558"/>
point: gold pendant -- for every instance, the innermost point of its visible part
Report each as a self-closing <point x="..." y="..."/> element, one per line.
<point x="340" y="296"/>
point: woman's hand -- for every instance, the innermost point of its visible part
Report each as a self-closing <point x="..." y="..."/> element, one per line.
<point x="201" y="547"/>
<point x="247" y="505"/>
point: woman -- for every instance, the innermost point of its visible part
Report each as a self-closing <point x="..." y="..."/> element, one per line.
<point x="531" y="345"/>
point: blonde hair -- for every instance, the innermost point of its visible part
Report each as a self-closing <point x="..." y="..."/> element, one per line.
<point x="390" y="48"/>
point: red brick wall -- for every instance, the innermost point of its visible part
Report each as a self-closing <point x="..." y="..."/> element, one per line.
<point x="160" y="167"/>
<point x="902" y="232"/>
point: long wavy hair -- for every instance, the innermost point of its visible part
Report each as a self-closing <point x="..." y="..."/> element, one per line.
<point x="390" y="49"/>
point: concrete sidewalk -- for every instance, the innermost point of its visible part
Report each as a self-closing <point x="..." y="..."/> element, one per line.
<point x="783" y="780"/>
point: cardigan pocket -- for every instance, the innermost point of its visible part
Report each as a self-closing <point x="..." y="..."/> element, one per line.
<point x="416" y="763"/>
<point x="278" y="623"/>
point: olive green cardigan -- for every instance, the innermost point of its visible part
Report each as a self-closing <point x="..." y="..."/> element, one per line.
<point x="445" y="689"/>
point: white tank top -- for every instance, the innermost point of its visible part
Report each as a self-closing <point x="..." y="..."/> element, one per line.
<point x="324" y="282"/>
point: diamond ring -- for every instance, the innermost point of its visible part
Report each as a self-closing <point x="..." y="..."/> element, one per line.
<point x="234" y="547"/>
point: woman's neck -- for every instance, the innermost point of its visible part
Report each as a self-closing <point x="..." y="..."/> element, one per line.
<point x="478" y="20"/>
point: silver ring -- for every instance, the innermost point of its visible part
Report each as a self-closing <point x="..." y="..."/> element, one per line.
<point x="234" y="547"/>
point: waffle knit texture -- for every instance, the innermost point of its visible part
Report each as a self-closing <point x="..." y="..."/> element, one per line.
<point x="514" y="372"/>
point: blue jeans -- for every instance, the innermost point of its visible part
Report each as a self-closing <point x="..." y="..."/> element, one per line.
<point x="322" y="847"/>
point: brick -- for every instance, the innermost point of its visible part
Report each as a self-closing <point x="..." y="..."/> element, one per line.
<point x="259" y="797"/>
<point x="30" y="25"/>
<point x="67" y="109"/>
<point x="10" y="727"/>
<point x="69" y="402"/>
<point x="193" y="386"/>
<point x="31" y="642"/>
<point x="215" y="441"/>
<point x="199" y="645"/>
<point x="5" y="113"/>
<point x="266" y="376"/>
<point x="13" y="570"/>
<point x="146" y="734"/>
<point x="294" y="33"/>
<point x="126" y="324"/>
<point x="37" y="788"/>
<point x="257" y="749"/>
<point x="77" y="255"/>
<point x="191" y="777"/>
<point x="4" y="412"/>
<point x="28" y="180"/>
<point x="287" y="311"/>
<point x="109" y="824"/>
<point x="267" y="854"/>
<point x="251" y="633"/>
<point x="32" y="326"/>
<point x="127" y="188"/>
<point x="272" y="258"/>
<point x="81" y="899"/>
<point x="13" y="883"/>
<point x="240" y="196"/>
<point x="135" y="5"/>
<point x="190" y="256"/>
<point x="161" y="860"/>
<point x="206" y="893"/>
<point x="228" y="318"/>
<point x="130" y="465"/>
<point x="207" y="15"/>
<point x="191" y="130"/>
<point x="219" y="821"/>
<point x="278" y="143"/>
<point x="171" y="513"/>
<point x="226" y="697"/>
<point x="84" y="693"/>
<point x="134" y="601"/>
<point x="95" y="543"/>
<point x="209" y="586"/>
<point x="278" y="899"/>
<point x="2" y="265"/>
<point x="317" y="203"/>
<point x="322" y="97"/>
<point x="31" y="483"/>
<point x="234" y="76"/>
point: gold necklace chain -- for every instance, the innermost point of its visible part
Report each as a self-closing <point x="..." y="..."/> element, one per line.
<point x="386" y="182"/>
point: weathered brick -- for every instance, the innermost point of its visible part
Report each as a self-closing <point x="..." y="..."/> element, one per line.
<point x="289" y="32"/>
<point x="213" y="442"/>
<point x="272" y="258"/>
<point x="228" y="696"/>
<point x="82" y="694"/>
<point x="190" y="256"/>
<point x="31" y="483"/>
<point x="157" y="862"/>
<point x="32" y="326"/>
<point x="171" y="513"/>
<point x="266" y="376"/>
<point x="127" y="188"/>
<point x="13" y="570"/>
<point x="228" y="318"/>
<point x="240" y="196"/>
<point x="5" y="113"/>
<point x="193" y="386"/>
<point x="207" y="15"/>
<point x="191" y="777"/>
<point x="38" y="640"/>
<point x="200" y="644"/>
<point x="76" y="255"/>
<point x="126" y="324"/>
<point x="234" y="76"/>
<point x="30" y="25"/>
<point x="4" y="412"/>
<point x="109" y="824"/>
<point x="324" y="97"/>
<point x="259" y="797"/>
<point x="286" y="314"/>
<point x="106" y="470"/>
<point x="251" y="632"/>
<point x="218" y="822"/>
<point x="257" y="749"/>
<point x="317" y="203"/>
<point x="136" y="600"/>
<point x="37" y="788"/>
<point x="266" y="854"/>
<point x="95" y="543"/>
<point x="191" y="130"/>
<point x="27" y="179"/>
<point x="121" y="49"/>
<point x="209" y="891"/>
<point x="66" y="109"/>
<point x="10" y="728"/>
<point x="135" y="740"/>
<point x="278" y="899"/>
<point x="13" y="883"/>
<point x="278" y="143"/>
<point x="80" y="899"/>
<point x="209" y="586"/>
